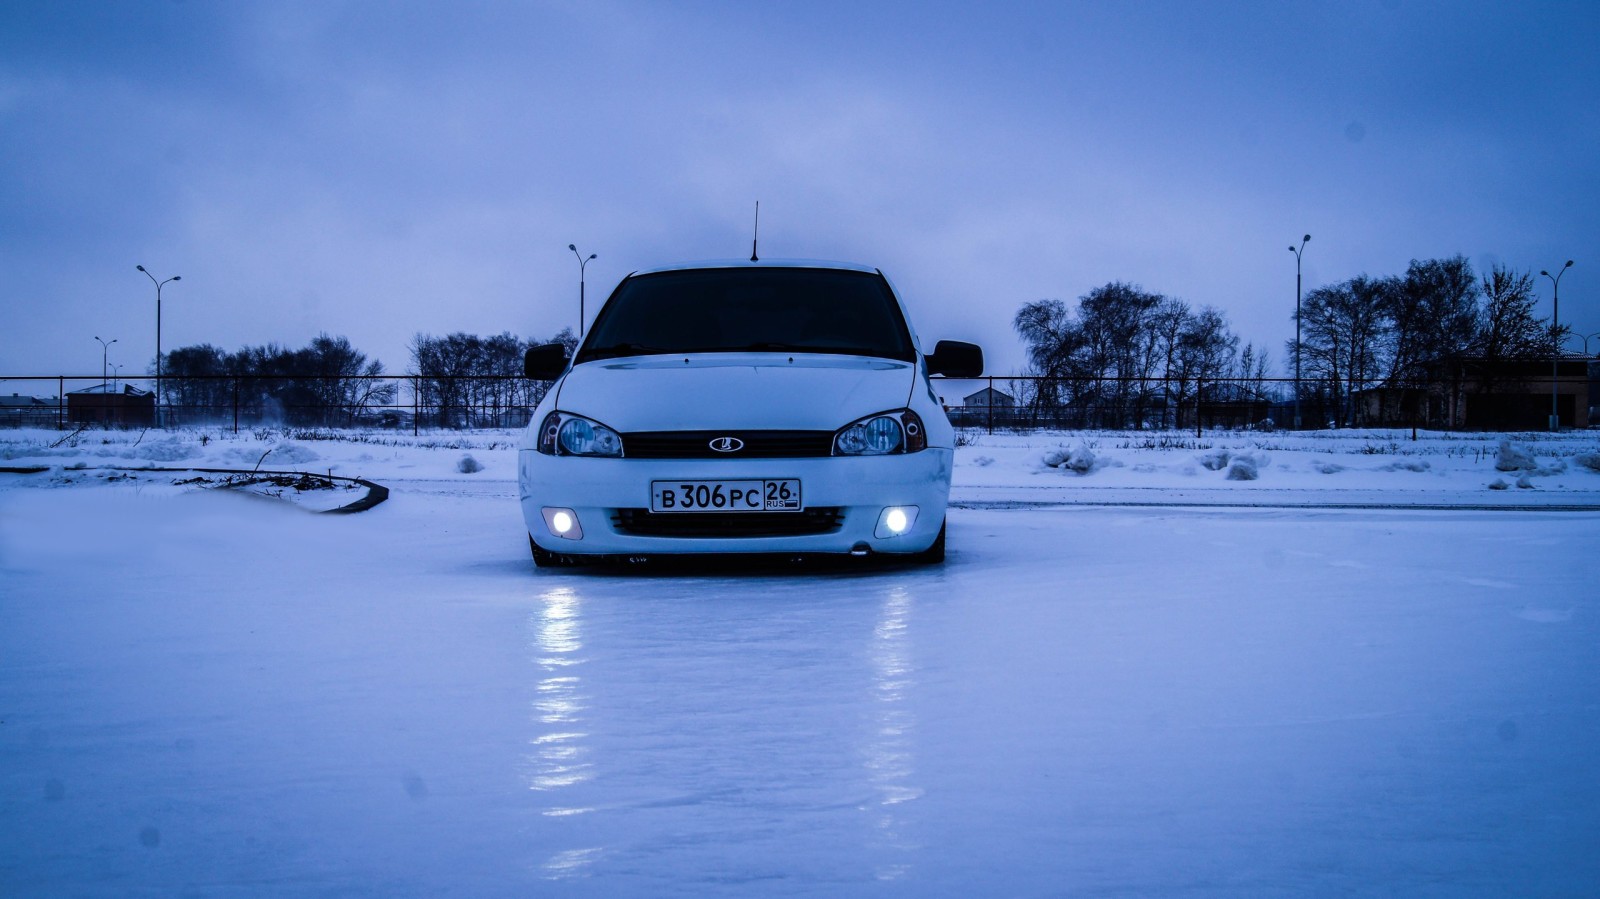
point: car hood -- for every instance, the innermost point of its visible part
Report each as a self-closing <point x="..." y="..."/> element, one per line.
<point x="750" y="391"/>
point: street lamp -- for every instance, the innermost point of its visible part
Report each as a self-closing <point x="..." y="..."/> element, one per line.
<point x="105" y="350"/>
<point x="158" y="285"/>
<point x="1586" y="341"/>
<point x="582" y="264"/>
<point x="116" y="367"/>
<point x="1555" y="332"/>
<point x="1298" y="252"/>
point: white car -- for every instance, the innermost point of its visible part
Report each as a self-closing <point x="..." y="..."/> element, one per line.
<point x="742" y="407"/>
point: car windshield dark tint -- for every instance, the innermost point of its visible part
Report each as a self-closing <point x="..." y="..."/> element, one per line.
<point x="728" y="310"/>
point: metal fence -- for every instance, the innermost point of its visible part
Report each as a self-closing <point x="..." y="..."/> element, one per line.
<point x="1021" y="402"/>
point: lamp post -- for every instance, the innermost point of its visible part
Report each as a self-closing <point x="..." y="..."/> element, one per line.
<point x="1555" y="332"/>
<point x="116" y="368"/>
<point x="158" y="285"/>
<point x="105" y="351"/>
<point x="1586" y="341"/>
<point x="582" y="264"/>
<point x="1298" y="252"/>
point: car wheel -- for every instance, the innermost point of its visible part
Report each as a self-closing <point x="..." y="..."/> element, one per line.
<point x="934" y="554"/>
<point x="544" y="558"/>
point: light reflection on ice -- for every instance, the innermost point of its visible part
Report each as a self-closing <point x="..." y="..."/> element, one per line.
<point x="559" y="755"/>
<point x="889" y="754"/>
<point x="571" y="863"/>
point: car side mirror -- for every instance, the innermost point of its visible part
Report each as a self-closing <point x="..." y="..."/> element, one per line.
<point x="545" y="363"/>
<point x="955" y="359"/>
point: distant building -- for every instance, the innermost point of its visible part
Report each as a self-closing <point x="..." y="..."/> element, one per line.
<point x="18" y="411"/>
<point x="121" y="406"/>
<point x="990" y="398"/>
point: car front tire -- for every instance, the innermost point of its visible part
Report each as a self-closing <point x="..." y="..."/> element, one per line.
<point x="934" y="554"/>
<point x="544" y="558"/>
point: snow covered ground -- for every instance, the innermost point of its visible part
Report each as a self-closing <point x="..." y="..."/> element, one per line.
<point x="1100" y="693"/>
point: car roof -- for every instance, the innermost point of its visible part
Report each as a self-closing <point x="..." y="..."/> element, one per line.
<point x="763" y="263"/>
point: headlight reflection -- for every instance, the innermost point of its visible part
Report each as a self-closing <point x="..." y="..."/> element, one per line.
<point x="890" y="757"/>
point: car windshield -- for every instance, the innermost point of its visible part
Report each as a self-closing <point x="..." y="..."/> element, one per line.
<point x="729" y="310"/>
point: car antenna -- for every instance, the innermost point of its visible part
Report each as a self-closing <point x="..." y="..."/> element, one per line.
<point x="757" y="235"/>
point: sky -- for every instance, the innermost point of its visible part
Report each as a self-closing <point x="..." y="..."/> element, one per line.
<point x="382" y="169"/>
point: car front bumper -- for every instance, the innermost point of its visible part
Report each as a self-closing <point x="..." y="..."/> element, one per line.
<point x="845" y="499"/>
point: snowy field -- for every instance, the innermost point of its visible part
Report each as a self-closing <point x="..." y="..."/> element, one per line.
<point x="1153" y="665"/>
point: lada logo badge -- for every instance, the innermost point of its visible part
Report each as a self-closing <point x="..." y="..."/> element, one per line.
<point x="727" y="444"/>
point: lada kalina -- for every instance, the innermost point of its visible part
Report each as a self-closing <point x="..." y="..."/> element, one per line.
<point x="742" y="407"/>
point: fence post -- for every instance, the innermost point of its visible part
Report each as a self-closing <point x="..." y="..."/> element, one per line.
<point x="61" y="403"/>
<point x="235" y="406"/>
<point x="1199" y="398"/>
<point x="416" y="403"/>
<point x="990" y="404"/>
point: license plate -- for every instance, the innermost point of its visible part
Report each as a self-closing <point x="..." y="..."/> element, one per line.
<point x="775" y="495"/>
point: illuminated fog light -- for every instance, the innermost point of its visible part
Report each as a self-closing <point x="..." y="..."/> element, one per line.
<point x="562" y="523"/>
<point x="895" y="521"/>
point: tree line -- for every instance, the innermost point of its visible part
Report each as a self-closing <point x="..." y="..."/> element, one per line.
<point x="1439" y="320"/>
<point x="458" y="380"/>
<point x="1123" y="356"/>
<point x="1127" y="357"/>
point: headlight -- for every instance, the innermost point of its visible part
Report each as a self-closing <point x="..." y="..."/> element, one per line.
<point x="879" y="435"/>
<point x="563" y="434"/>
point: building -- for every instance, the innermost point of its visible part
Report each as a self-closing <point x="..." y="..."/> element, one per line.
<point x="990" y="398"/>
<point x="18" y="411"/>
<point x="122" y="406"/>
<point x="986" y="408"/>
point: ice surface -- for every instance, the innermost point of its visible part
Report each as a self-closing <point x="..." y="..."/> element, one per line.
<point x="210" y="696"/>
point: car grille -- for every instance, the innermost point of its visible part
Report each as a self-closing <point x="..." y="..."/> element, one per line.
<point x="697" y="444"/>
<point x="644" y="523"/>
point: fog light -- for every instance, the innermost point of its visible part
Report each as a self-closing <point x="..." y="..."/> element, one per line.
<point x="562" y="523"/>
<point x="895" y="521"/>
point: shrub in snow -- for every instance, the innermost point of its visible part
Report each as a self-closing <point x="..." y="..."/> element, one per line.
<point x="983" y="461"/>
<point x="1499" y="484"/>
<point x="1513" y="458"/>
<point x="1524" y="483"/>
<point x="1590" y="461"/>
<point x="468" y="465"/>
<point x="1054" y="457"/>
<point x="1215" y="460"/>
<point x="1327" y="467"/>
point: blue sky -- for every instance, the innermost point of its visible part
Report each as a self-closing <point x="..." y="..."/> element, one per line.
<point x="379" y="169"/>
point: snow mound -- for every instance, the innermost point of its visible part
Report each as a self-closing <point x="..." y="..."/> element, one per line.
<point x="1499" y="484"/>
<point x="1080" y="458"/>
<point x="1215" y="460"/>
<point x="1590" y="461"/>
<point x="1407" y="465"/>
<point x="983" y="461"/>
<point x="1514" y="458"/>
<point x="1523" y="482"/>
<point x="171" y="449"/>
<point x="278" y="454"/>
<point x="469" y="465"/>
<point x="1246" y="466"/>
<point x="1323" y="466"/>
